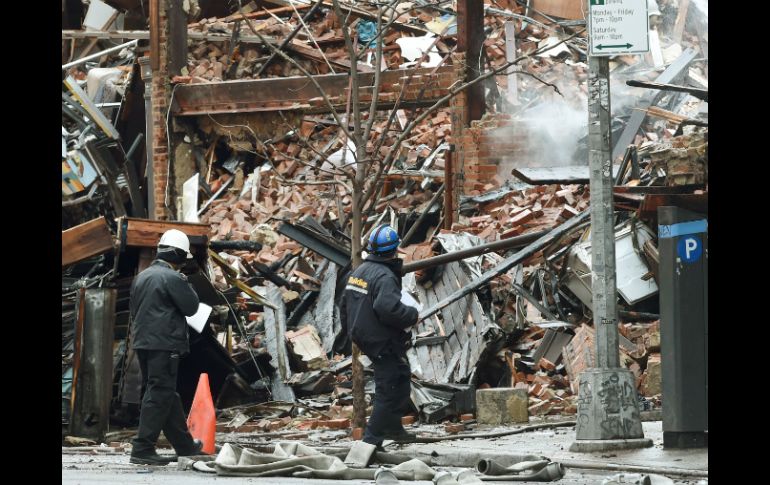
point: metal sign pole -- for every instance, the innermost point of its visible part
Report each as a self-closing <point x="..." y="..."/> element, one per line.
<point x="608" y="410"/>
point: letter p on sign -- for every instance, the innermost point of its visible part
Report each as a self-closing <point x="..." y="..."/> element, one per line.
<point x="690" y="249"/>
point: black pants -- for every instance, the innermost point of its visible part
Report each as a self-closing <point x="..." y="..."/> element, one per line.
<point x="391" y="393"/>
<point x="161" y="406"/>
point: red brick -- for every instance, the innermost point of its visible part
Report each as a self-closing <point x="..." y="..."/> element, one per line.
<point x="522" y="217"/>
<point x="466" y="417"/>
<point x="514" y="231"/>
<point x="546" y="364"/>
<point x="453" y="428"/>
<point x="568" y="212"/>
<point x="335" y="423"/>
<point x="275" y="425"/>
<point x="357" y="434"/>
<point x="407" y="420"/>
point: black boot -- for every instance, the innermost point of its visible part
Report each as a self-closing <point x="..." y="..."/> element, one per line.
<point x="150" y="458"/>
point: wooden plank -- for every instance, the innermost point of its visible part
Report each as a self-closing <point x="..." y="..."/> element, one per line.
<point x="154" y="35"/>
<point x="451" y="367"/>
<point x="451" y="345"/>
<point x="681" y="19"/>
<point x="474" y="320"/>
<point x="323" y="312"/>
<point x="462" y="371"/>
<point x="438" y="360"/>
<point x="442" y="353"/>
<point x="266" y="13"/>
<point x="423" y="353"/>
<point x="672" y="72"/>
<point x="275" y="341"/>
<point x="245" y="95"/>
<point x="85" y="240"/>
<point x="360" y="12"/>
<point x="656" y="53"/>
<point x="480" y="322"/>
<point x="145" y="34"/>
<point x="316" y="56"/>
<point x="459" y="309"/>
<point x="452" y="313"/>
<point x="176" y="42"/>
<point x="430" y="298"/>
<point x="147" y="233"/>
<point x="470" y="22"/>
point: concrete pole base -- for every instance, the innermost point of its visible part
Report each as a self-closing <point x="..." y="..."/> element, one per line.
<point x="589" y="446"/>
<point x="607" y="406"/>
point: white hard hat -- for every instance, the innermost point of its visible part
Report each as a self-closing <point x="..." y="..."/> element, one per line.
<point x="176" y="239"/>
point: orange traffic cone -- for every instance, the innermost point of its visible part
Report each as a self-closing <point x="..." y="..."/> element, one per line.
<point x="202" y="420"/>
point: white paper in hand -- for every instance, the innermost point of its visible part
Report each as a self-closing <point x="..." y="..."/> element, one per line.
<point x="409" y="300"/>
<point x="198" y="321"/>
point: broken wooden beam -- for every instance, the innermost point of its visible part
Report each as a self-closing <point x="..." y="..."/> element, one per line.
<point x="632" y="127"/>
<point x="289" y="37"/>
<point x="502" y="245"/>
<point x="252" y="95"/>
<point x="85" y="240"/>
<point x="506" y="264"/>
<point x="146" y="233"/>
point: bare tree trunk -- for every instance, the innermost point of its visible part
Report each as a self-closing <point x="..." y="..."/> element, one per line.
<point x="361" y="166"/>
<point x="359" y="398"/>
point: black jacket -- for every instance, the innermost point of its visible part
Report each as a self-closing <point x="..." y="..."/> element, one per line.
<point x="161" y="297"/>
<point x="372" y="307"/>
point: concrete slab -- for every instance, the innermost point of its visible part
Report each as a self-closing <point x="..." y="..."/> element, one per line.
<point x="502" y="406"/>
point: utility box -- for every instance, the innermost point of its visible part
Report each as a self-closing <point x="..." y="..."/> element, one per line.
<point x="683" y="246"/>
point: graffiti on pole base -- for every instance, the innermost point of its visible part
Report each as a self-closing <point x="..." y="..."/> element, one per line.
<point x="607" y="407"/>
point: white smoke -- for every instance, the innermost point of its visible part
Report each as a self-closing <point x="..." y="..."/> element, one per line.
<point x="555" y="127"/>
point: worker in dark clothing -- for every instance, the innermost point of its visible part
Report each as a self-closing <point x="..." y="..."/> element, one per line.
<point x="161" y="298"/>
<point x="377" y="321"/>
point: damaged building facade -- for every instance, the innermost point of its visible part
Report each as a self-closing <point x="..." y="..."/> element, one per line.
<point x="275" y="132"/>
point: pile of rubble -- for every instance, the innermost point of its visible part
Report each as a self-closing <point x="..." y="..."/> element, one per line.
<point x="279" y="189"/>
<point x="319" y="42"/>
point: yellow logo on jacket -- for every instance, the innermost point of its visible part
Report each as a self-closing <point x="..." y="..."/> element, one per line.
<point x="357" y="282"/>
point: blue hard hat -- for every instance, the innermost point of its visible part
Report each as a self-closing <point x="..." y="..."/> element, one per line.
<point x="383" y="239"/>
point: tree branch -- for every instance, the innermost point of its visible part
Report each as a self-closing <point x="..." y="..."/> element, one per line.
<point x="288" y="59"/>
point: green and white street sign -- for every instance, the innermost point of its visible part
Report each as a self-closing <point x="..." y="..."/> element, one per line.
<point x="618" y="27"/>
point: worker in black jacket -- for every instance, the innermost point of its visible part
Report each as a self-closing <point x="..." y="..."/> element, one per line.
<point x="161" y="298"/>
<point x="377" y="323"/>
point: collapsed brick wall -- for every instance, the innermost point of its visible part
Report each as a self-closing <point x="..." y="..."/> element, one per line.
<point x="487" y="150"/>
